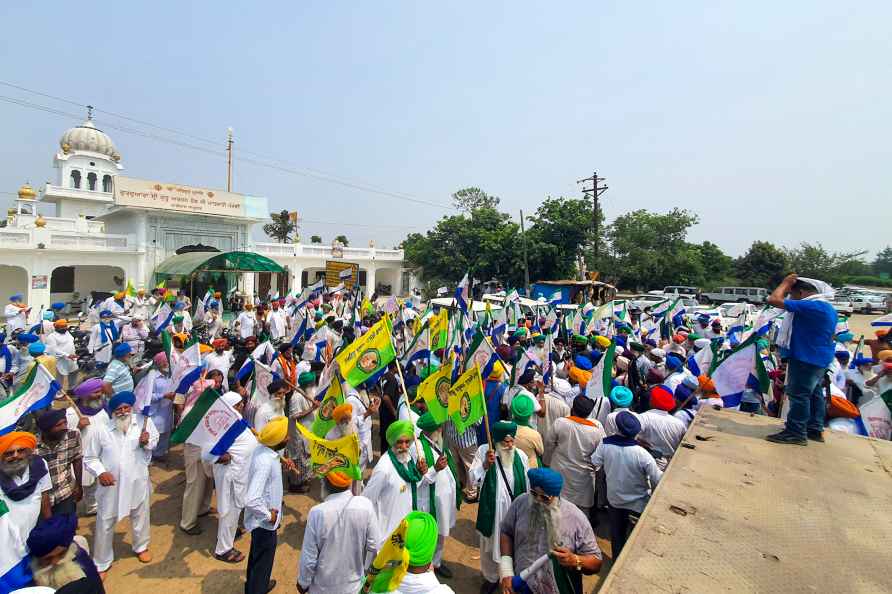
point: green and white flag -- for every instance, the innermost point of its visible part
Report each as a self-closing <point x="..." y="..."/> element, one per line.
<point x="602" y="375"/>
<point x="35" y="393"/>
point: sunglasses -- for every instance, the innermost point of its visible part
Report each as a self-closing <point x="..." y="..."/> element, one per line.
<point x="540" y="496"/>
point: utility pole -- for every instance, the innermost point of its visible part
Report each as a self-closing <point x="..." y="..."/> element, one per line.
<point x="229" y="161"/>
<point x="526" y="267"/>
<point x="594" y="192"/>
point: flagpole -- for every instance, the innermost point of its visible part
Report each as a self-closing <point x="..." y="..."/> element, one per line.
<point x="399" y="369"/>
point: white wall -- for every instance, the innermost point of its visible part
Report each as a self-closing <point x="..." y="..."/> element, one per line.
<point x="93" y="278"/>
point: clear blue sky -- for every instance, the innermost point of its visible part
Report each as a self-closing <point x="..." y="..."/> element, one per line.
<point x="770" y="120"/>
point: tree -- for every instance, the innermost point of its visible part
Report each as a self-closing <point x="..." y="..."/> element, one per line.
<point x="717" y="266"/>
<point x="315" y="239"/>
<point x="485" y="242"/>
<point x="469" y="199"/>
<point x="883" y="262"/>
<point x="763" y="265"/>
<point x="559" y="234"/>
<point x="813" y="261"/>
<point x="649" y="250"/>
<point x="343" y="240"/>
<point x="281" y="227"/>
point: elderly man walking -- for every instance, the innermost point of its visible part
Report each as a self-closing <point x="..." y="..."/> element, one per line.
<point x="118" y="455"/>
<point x="806" y="337"/>
<point x="501" y="476"/>
<point x="542" y="528"/>
<point x="25" y="485"/>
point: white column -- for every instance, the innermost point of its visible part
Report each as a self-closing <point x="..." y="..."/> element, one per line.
<point x="296" y="273"/>
<point x="398" y="283"/>
<point x="370" y="280"/>
<point x="248" y="278"/>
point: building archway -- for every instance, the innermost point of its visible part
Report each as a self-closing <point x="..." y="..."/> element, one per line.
<point x="13" y="279"/>
<point x="76" y="285"/>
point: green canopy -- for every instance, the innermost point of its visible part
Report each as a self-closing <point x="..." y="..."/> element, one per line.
<point x="194" y="262"/>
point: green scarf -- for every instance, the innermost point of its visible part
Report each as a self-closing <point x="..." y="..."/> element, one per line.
<point x="409" y="473"/>
<point x="486" y="510"/>
<point x="426" y="445"/>
<point x="565" y="586"/>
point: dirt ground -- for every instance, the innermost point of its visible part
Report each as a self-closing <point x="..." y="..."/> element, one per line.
<point x="184" y="564"/>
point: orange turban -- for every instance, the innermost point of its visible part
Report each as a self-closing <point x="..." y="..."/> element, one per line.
<point x="338" y="479"/>
<point x="341" y="412"/>
<point x="17" y="438"/>
<point x="579" y="376"/>
<point x="707" y="386"/>
<point x="60" y="323"/>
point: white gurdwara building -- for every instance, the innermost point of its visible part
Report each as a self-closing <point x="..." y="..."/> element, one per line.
<point x="109" y="230"/>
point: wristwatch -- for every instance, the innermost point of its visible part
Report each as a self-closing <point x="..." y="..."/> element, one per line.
<point x="578" y="563"/>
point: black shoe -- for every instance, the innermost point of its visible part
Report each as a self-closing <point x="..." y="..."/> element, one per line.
<point x="787" y="438"/>
<point x="271" y="586"/>
<point x="443" y="571"/>
<point x="193" y="531"/>
<point x="816" y="436"/>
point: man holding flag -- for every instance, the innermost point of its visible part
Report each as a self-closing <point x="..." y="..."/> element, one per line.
<point x="118" y="455"/>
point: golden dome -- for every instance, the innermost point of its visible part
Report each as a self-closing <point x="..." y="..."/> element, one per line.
<point x="26" y="192"/>
<point x="40" y="221"/>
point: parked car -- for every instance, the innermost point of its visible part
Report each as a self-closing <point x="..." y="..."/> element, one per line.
<point x="842" y="305"/>
<point x="868" y="303"/>
<point x="683" y="291"/>
<point x="737" y="294"/>
<point x="642" y="301"/>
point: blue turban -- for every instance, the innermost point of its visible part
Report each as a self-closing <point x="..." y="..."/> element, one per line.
<point x="673" y="361"/>
<point x="179" y="305"/>
<point x="48" y="420"/>
<point x="546" y="479"/>
<point x="214" y="304"/>
<point x="36" y="349"/>
<point x="862" y="360"/>
<point x="126" y="397"/>
<point x="703" y="318"/>
<point x="2" y="337"/>
<point x="27" y="338"/>
<point x="690" y="381"/>
<point x="412" y="380"/>
<point x="105" y="313"/>
<point x="682" y="392"/>
<point x="122" y="349"/>
<point x="57" y="305"/>
<point x="627" y="424"/>
<point x="842" y="354"/>
<point x="621" y="396"/>
<point x="58" y="531"/>
<point x="621" y="340"/>
<point x="650" y="342"/>
<point x="15" y="297"/>
<point x="582" y="362"/>
<point x="844" y="336"/>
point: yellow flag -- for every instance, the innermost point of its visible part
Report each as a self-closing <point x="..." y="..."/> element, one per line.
<point x="435" y="391"/>
<point x="131" y="292"/>
<point x="390" y="564"/>
<point x="466" y="403"/>
<point x="439" y="328"/>
<point x="368" y="354"/>
<point x="161" y="284"/>
<point x="333" y="454"/>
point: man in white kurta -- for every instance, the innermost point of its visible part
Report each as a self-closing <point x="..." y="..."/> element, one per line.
<point x="220" y="358"/>
<point x="574" y="440"/>
<point x="245" y="322"/>
<point x="496" y="468"/>
<point x="340" y="539"/>
<point x="16" y="314"/>
<point x="437" y="456"/>
<point x="141" y="305"/>
<point x="60" y="344"/>
<point x="395" y="482"/>
<point x="118" y="455"/>
<point x="231" y="475"/>
<point x="135" y="334"/>
<point x="102" y="338"/>
<point x="277" y="320"/>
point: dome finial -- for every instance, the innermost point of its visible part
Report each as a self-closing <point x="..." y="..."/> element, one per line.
<point x="90" y="112"/>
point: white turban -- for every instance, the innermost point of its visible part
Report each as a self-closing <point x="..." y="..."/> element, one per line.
<point x="232" y="398"/>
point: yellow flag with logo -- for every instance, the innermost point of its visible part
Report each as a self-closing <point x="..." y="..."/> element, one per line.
<point x="390" y="564"/>
<point x="466" y="405"/>
<point x="435" y="391"/>
<point x="327" y="455"/>
<point x="368" y="354"/>
<point x="439" y="328"/>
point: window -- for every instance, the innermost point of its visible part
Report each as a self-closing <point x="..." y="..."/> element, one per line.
<point x="91" y="181"/>
<point x="75" y="179"/>
<point x="106" y="183"/>
<point x="740" y="291"/>
<point x="62" y="280"/>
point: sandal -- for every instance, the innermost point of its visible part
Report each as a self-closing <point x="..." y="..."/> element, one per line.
<point x="230" y="556"/>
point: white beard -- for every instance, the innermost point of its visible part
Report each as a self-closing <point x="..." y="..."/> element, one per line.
<point x="547" y="517"/>
<point x="403" y="457"/>
<point x="347" y="428"/>
<point x="123" y="423"/>
<point x="64" y="572"/>
<point x="506" y="455"/>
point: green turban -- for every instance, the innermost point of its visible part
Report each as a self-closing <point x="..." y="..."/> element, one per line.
<point x="427" y="423"/>
<point x="421" y="538"/>
<point x="522" y="408"/>
<point x="399" y="429"/>
<point x="427" y="370"/>
<point x="306" y="378"/>
<point x="503" y="429"/>
<point x="580" y="340"/>
<point x="177" y="319"/>
<point x="520" y="333"/>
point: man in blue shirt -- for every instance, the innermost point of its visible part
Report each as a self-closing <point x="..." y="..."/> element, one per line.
<point x="806" y="339"/>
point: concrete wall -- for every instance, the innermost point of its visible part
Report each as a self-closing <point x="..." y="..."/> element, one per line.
<point x="92" y="278"/>
<point x="13" y="280"/>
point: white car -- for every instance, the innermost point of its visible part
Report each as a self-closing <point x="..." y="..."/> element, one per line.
<point x="843" y="305"/>
<point x="868" y="304"/>
<point x="642" y="301"/>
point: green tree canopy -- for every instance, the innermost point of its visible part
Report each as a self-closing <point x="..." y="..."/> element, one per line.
<point x="763" y="265"/>
<point x="343" y="239"/>
<point x="560" y="233"/>
<point x="883" y="262"/>
<point x="469" y="199"/>
<point x="315" y="239"/>
<point x="281" y="227"/>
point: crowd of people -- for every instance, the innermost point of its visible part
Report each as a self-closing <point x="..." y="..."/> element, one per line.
<point x="581" y="415"/>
